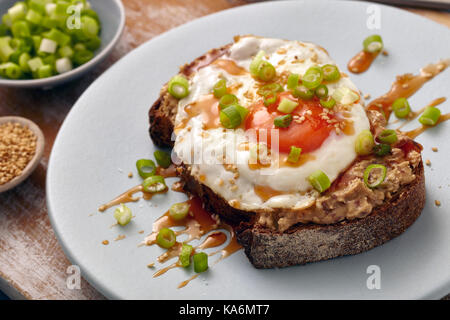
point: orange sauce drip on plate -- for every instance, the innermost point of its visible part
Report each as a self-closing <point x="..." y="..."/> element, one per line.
<point x="128" y="196"/>
<point x="405" y="86"/>
<point x="362" y="61"/>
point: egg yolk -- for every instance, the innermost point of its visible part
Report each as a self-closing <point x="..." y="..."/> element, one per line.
<point x="308" y="134"/>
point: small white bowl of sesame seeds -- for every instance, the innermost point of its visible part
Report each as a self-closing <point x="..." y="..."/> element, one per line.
<point x="21" y="148"/>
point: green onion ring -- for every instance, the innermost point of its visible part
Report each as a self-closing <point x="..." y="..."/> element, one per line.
<point x="185" y="255"/>
<point x="401" y="108"/>
<point x="328" y="102"/>
<point x="369" y="170"/>
<point x="179" y="211"/>
<point x="166" y="238"/>
<point x="154" y="184"/>
<point x="303" y="93"/>
<point x="319" y="180"/>
<point x="388" y="136"/>
<point x="364" y="143"/>
<point x="321" y="91"/>
<point x="266" y="71"/>
<point x="227" y="100"/>
<point x="200" y="262"/>
<point x="162" y="158"/>
<point x="430" y="116"/>
<point x="220" y="89"/>
<point x="331" y="72"/>
<point x="230" y="117"/>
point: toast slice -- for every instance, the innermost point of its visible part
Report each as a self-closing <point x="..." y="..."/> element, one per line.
<point x="301" y="243"/>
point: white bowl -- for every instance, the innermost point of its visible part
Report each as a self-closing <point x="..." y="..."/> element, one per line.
<point x="112" y="17"/>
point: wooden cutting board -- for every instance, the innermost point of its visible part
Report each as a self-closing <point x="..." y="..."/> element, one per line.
<point x="32" y="263"/>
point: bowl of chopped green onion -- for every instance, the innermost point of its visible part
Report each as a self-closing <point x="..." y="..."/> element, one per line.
<point x="45" y="43"/>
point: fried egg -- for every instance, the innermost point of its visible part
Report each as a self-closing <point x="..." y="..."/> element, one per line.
<point x="224" y="159"/>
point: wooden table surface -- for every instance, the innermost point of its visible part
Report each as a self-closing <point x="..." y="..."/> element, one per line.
<point x="32" y="263"/>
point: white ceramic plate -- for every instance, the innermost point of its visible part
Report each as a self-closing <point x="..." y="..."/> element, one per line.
<point x="106" y="132"/>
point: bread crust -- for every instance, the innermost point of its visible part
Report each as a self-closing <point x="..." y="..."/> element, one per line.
<point x="302" y="243"/>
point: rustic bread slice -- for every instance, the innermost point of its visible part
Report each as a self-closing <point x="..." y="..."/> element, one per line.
<point x="301" y="243"/>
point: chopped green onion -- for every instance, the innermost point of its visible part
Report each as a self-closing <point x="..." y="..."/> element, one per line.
<point x="313" y="77"/>
<point x="303" y="92"/>
<point x="200" y="262"/>
<point x="79" y="46"/>
<point x="35" y="64"/>
<point x="154" y="184"/>
<point x="270" y="98"/>
<point x="230" y="117"/>
<point x="63" y="65"/>
<point x="178" y="87"/>
<point x="430" y="116"/>
<point x="185" y="255"/>
<point x="89" y="27"/>
<point x="227" y="100"/>
<point x="266" y="71"/>
<point x="33" y="17"/>
<point x="23" y="62"/>
<point x="330" y="72"/>
<point x="388" y="136"/>
<point x="401" y="108"/>
<point x="283" y="121"/>
<point x="328" y="102"/>
<point x="345" y="96"/>
<point x="292" y="81"/>
<point x="254" y="65"/>
<point x="59" y="37"/>
<point x="48" y="46"/>
<point x="66" y="52"/>
<point x="11" y="70"/>
<point x="93" y="43"/>
<point x="269" y="88"/>
<point x="287" y="105"/>
<point x="5" y="49"/>
<point x="82" y="56"/>
<point x="179" y="211"/>
<point x="319" y="180"/>
<point x="18" y="11"/>
<point x="367" y="175"/>
<point x="162" y="158"/>
<point x="20" y="29"/>
<point x="242" y="111"/>
<point x="294" y="154"/>
<point x="146" y="168"/>
<point x="166" y="238"/>
<point x="45" y="71"/>
<point x="321" y="91"/>
<point x="364" y="143"/>
<point x="381" y="149"/>
<point x="373" y="43"/>
<point x="220" y="88"/>
<point x="123" y="215"/>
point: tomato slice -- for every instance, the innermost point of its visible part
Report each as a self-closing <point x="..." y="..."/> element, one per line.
<point x="308" y="135"/>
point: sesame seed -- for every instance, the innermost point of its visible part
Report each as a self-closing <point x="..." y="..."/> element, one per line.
<point x="435" y="149"/>
<point x="428" y="162"/>
<point x="437" y="203"/>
